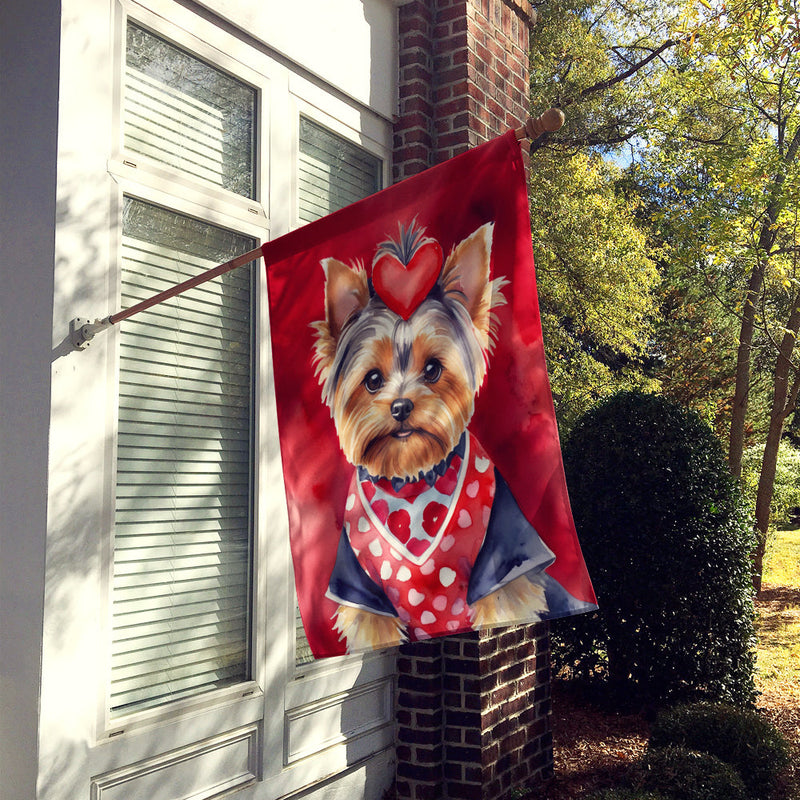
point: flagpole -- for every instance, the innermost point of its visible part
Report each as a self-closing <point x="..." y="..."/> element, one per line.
<point x="534" y="127"/>
<point x="82" y="331"/>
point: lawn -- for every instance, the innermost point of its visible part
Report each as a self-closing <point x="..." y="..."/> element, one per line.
<point x="779" y="617"/>
<point x="593" y="749"/>
<point x="778" y="629"/>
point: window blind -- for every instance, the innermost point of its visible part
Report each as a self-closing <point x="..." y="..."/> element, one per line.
<point x="182" y="541"/>
<point x="332" y="173"/>
<point x="187" y="114"/>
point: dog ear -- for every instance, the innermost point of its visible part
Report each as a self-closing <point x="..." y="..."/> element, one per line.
<point x="465" y="275"/>
<point x="346" y="293"/>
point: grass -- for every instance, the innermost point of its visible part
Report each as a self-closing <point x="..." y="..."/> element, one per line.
<point x="778" y="648"/>
<point x="782" y="559"/>
<point x="778" y="625"/>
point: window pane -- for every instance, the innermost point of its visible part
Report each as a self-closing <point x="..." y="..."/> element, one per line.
<point x="333" y="173"/>
<point x="182" y="112"/>
<point x="182" y="542"/>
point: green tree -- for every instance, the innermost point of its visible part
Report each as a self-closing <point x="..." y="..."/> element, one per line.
<point x="597" y="278"/>
<point x="704" y="97"/>
<point x="724" y="155"/>
<point x="598" y="60"/>
<point x="596" y="281"/>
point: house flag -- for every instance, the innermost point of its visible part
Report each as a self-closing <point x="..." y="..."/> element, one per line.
<point x="422" y="466"/>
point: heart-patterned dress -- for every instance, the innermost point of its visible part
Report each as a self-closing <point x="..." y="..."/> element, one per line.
<point x="410" y="551"/>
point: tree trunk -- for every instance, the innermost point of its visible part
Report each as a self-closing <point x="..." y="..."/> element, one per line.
<point x="784" y="398"/>
<point x="766" y="240"/>
<point x="742" y="389"/>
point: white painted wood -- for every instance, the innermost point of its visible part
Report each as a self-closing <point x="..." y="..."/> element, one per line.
<point x="333" y="40"/>
<point x="203" y="771"/>
<point x="28" y="129"/>
<point x="74" y="740"/>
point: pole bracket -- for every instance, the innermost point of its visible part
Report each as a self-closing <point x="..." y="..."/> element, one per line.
<point x="82" y="330"/>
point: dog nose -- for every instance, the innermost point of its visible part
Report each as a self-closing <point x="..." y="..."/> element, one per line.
<point x="401" y="409"/>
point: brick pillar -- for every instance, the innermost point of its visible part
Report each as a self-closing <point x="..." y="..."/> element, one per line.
<point x="463" y="77"/>
<point x="473" y="711"/>
<point x="473" y="715"/>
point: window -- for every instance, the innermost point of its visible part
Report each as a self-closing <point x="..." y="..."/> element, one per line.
<point x="183" y="540"/>
<point x="169" y="639"/>
<point x="332" y="173"/>
<point x="186" y="114"/>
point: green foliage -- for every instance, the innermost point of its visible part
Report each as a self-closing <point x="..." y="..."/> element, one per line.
<point x="719" y="173"/>
<point x="667" y="543"/>
<point x="696" y="345"/>
<point x="786" y="490"/>
<point x="683" y="774"/>
<point x="741" y="738"/>
<point x="595" y="280"/>
<point x="595" y="271"/>
<point x="590" y="57"/>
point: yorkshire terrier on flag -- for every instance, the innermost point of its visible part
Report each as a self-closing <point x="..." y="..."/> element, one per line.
<point x="433" y="541"/>
<point x="424" y="489"/>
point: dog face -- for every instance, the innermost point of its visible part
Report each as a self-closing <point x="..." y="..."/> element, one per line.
<point x="402" y="390"/>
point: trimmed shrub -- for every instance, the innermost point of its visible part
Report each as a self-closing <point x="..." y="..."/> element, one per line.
<point x="667" y="541"/>
<point x="741" y="738"/>
<point x="683" y="774"/>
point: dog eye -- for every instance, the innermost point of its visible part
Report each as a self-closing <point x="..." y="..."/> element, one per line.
<point x="373" y="381"/>
<point x="432" y="371"/>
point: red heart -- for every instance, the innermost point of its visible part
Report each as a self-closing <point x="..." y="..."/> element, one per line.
<point x="432" y="517"/>
<point x="417" y="547"/>
<point x="381" y="509"/>
<point x="399" y="523"/>
<point x="404" y="286"/>
<point x="369" y="490"/>
<point x="447" y="483"/>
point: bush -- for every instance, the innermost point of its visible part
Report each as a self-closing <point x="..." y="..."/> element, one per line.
<point x="667" y="542"/>
<point x="740" y="738"/>
<point x="683" y="774"/>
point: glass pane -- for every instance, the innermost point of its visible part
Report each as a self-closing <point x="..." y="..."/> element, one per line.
<point x="185" y="113"/>
<point x="183" y="533"/>
<point x="333" y="173"/>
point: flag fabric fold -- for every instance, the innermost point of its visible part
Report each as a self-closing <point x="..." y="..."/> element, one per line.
<point x="422" y="467"/>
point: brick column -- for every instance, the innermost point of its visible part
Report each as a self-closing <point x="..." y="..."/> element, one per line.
<point x="420" y="722"/>
<point x="473" y="715"/>
<point x="473" y="711"/>
<point x="463" y="77"/>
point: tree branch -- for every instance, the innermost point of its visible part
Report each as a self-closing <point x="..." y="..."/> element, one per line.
<point x="720" y="140"/>
<point x="601" y="86"/>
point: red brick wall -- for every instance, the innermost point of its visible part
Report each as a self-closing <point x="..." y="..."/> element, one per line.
<point x="472" y="710"/>
<point x="473" y="715"/>
<point x="463" y="77"/>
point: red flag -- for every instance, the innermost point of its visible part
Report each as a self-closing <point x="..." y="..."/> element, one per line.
<point x="422" y="466"/>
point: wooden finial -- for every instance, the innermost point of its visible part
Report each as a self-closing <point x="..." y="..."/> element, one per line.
<point x="549" y="122"/>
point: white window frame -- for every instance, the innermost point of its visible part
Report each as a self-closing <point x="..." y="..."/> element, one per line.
<point x="137" y="177"/>
<point x="262" y="722"/>
<point x="317" y="686"/>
